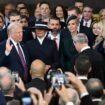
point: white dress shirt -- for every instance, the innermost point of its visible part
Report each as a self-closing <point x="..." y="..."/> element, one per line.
<point x="41" y="39"/>
<point x="87" y="47"/>
<point x="87" y="22"/>
<point x="82" y="77"/>
<point x="57" y="38"/>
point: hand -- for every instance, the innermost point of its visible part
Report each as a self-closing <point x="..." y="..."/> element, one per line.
<point x="47" y="67"/>
<point x="48" y="96"/>
<point x="34" y="99"/>
<point x="40" y="100"/>
<point x="8" y="46"/>
<point x="77" y="83"/>
<point x="20" y="85"/>
<point x="63" y="93"/>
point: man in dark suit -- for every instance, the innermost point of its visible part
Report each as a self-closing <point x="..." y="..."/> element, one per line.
<point x="43" y="48"/>
<point x="82" y="67"/>
<point x="55" y="34"/>
<point x="95" y="89"/>
<point x="96" y="59"/>
<point x="13" y="54"/>
<point x="87" y="16"/>
<point x="37" y="71"/>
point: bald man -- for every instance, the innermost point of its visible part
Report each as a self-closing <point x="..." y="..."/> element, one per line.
<point x="37" y="72"/>
<point x="7" y="83"/>
<point x="13" y="53"/>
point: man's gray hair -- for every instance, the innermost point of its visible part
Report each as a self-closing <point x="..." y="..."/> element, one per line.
<point x="95" y="87"/>
<point x="74" y="97"/>
<point x="81" y="38"/>
<point x="13" y="25"/>
<point x="6" y="88"/>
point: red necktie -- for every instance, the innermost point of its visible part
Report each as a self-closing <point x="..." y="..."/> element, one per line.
<point x="23" y="62"/>
<point x="56" y="42"/>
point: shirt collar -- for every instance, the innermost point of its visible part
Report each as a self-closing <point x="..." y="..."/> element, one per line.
<point x="52" y="36"/>
<point x="88" y="22"/>
<point x="84" y="48"/>
<point x="14" y="42"/>
<point x="82" y="77"/>
<point x="41" y="39"/>
<point x="97" y="99"/>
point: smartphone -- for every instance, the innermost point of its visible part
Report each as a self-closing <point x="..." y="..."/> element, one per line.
<point x="26" y="101"/>
<point x="15" y="76"/>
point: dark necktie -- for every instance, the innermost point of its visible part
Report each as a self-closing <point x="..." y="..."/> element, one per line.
<point x="86" y="24"/>
<point x="55" y="40"/>
<point x="23" y="62"/>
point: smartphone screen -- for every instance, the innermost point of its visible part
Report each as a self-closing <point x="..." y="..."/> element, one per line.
<point x="15" y="76"/>
<point x="26" y="101"/>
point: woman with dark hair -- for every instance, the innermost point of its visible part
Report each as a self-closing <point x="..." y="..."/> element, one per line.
<point x="67" y="48"/>
<point x="61" y="13"/>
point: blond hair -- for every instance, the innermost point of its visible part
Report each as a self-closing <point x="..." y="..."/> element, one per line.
<point x="102" y="25"/>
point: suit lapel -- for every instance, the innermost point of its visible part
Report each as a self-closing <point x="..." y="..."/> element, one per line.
<point x="14" y="51"/>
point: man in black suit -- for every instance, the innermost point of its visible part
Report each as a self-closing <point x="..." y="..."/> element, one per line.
<point x="87" y="16"/>
<point x="54" y="34"/>
<point x="95" y="89"/>
<point x="43" y="48"/>
<point x="82" y="68"/>
<point x="86" y="22"/>
<point x="37" y="71"/>
<point x="13" y="54"/>
<point x="96" y="59"/>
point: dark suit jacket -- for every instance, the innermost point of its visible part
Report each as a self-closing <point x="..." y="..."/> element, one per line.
<point x="12" y="61"/>
<point x="82" y="20"/>
<point x="67" y="51"/>
<point x="2" y="99"/>
<point x="37" y="83"/>
<point x="86" y="100"/>
<point x="97" y="62"/>
<point x="47" y="52"/>
<point x="3" y="34"/>
<point x="96" y="102"/>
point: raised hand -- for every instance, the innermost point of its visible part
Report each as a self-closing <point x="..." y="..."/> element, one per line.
<point x="8" y="46"/>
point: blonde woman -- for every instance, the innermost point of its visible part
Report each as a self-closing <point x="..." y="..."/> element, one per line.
<point x="102" y="14"/>
<point x="99" y="43"/>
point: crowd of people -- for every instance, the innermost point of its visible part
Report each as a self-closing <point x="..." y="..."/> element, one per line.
<point x="53" y="57"/>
